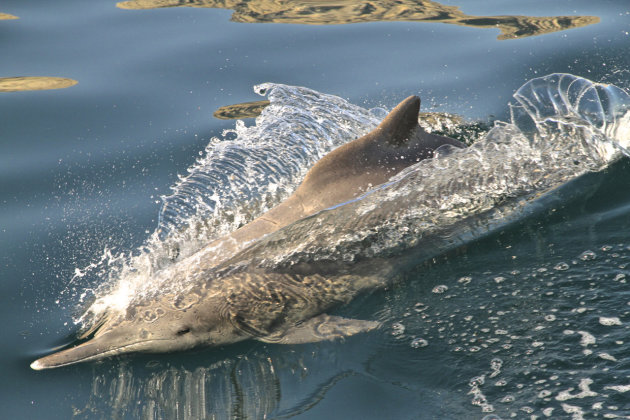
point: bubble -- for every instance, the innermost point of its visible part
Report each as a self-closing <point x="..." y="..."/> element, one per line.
<point x="479" y="400"/>
<point x="420" y="307"/>
<point x="149" y="316"/>
<point x="550" y="318"/>
<point x="417" y="343"/>
<point x="587" y="338"/>
<point x="487" y="408"/>
<point x="496" y="363"/>
<point x="465" y="280"/>
<point x="609" y="321"/>
<point x="398" y="329"/>
<point x="587" y="255"/>
<point x="440" y="288"/>
<point x="607" y="356"/>
<point x="185" y="301"/>
<point x="477" y="381"/>
<point x="561" y="266"/>
<point x="618" y="388"/>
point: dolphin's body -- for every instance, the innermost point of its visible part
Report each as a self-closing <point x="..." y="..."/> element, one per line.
<point x="283" y="306"/>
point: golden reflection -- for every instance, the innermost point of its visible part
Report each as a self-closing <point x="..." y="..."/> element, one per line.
<point x="6" y="16"/>
<point x="240" y="111"/>
<point x="17" y="84"/>
<point x="333" y="12"/>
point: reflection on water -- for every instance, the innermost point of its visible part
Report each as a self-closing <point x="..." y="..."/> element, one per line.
<point x="4" y="16"/>
<point x="17" y="84"/>
<point x="240" y="111"/>
<point x="243" y="387"/>
<point x="327" y="12"/>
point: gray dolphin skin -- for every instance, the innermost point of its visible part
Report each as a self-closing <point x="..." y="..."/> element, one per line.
<point x="287" y="307"/>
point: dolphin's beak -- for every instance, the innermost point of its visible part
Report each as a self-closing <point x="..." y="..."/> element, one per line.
<point x="94" y="349"/>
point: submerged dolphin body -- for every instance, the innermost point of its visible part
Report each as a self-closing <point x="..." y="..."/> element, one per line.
<point x="283" y="307"/>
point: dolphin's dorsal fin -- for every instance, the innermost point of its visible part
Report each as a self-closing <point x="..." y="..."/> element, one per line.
<point x="399" y="124"/>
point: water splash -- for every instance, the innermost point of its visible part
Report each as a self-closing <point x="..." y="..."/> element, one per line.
<point x="236" y="180"/>
<point x="238" y="177"/>
<point x="562" y="126"/>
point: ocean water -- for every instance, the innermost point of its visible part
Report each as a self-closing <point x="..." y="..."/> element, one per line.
<point x="522" y="314"/>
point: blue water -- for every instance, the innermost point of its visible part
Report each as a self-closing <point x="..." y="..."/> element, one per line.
<point x="82" y="169"/>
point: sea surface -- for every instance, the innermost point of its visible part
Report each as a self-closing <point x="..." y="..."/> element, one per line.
<point x="113" y="113"/>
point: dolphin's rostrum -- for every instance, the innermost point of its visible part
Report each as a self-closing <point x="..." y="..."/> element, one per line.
<point x="285" y="306"/>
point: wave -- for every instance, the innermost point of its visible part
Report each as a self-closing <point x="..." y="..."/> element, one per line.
<point x="562" y="126"/>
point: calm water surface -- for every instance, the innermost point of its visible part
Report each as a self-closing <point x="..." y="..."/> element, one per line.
<point x="534" y="319"/>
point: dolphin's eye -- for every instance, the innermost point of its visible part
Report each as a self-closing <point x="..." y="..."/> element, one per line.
<point x="183" y="331"/>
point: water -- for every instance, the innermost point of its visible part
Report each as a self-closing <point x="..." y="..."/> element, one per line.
<point x="537" y="308"/>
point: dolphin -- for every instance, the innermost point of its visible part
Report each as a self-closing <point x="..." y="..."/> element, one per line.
<point x="285" y="306"/>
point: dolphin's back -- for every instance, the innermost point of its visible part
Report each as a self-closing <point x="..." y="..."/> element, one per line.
<point x="351" y="169"/>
